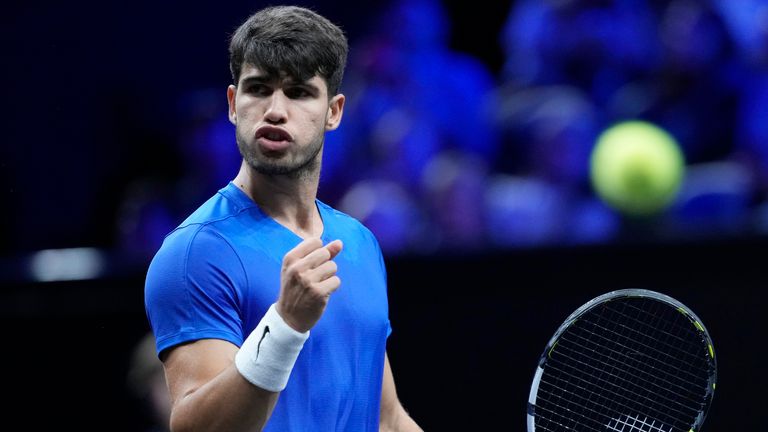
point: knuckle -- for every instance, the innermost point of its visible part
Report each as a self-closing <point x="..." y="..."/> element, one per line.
<point x="317" y="290"/>
<point x="303" y="279"/>
<point x="290" y="270"/>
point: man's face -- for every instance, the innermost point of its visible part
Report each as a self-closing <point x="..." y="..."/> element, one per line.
<point x="281" y="123"/>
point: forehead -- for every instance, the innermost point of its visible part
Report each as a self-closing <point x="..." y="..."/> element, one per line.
<point x="250" y="71"/>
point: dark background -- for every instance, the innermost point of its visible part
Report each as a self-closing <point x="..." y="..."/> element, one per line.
<point x="468" y="332"/>
<point x="91" y="102"/>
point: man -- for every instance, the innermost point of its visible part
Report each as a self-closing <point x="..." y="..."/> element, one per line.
<point x="242" y="296"/>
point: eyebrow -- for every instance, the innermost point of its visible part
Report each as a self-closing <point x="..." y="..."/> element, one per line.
<point x="257" y="79"/>
<point x="263" y="79"/>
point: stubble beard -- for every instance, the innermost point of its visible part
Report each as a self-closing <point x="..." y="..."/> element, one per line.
<point x="305" y="166"/>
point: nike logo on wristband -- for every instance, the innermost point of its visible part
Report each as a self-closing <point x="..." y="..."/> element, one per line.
<point x="263" y="335"/>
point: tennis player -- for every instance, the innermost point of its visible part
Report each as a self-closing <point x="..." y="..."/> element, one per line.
<point x="269" y="307"/>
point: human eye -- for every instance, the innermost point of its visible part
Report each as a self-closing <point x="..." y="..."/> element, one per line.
<point x="298" y="92"/>
<point x="258" y="89"/>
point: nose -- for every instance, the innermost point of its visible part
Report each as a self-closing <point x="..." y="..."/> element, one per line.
<point x="276" y="112"/>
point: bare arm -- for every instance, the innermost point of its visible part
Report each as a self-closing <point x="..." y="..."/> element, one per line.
<point x="393" y="417"/>
<point x="208" y="393"/>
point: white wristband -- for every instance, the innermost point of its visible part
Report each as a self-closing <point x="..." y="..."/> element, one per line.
<point x="269" y="352"/>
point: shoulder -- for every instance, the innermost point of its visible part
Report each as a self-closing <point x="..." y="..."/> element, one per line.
<point x="342" y="221"/>
<point x="221" y="219"/>
<point x="226" y="204"/>
<point x="215" y="225"/>
<point x="186" y="255"/>
<point x="359" y="241"/>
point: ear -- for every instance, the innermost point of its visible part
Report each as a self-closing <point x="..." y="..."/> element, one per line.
<point x="335" y="112"/>
<point x="231" y="95"/>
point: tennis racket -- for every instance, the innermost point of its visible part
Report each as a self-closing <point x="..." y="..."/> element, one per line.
<point x="630" y="360"/>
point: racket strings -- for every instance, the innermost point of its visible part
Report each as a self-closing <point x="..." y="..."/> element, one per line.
<point x="568" y="404"/>
<point x="589" y="411"/>
<point x="650" y="380"/>
<point x="656" y="337"/>
<point x="626" y="358"/>
<point x="685" y="335"/>
<point x="652" y="335"/>
<point x="636" y="425"/>
<point x="639" y="339"/>
<point x="679" y="369"/>
<point x="622" y="348"/>
<point x="558" y="418"/>
<point x="659" y="310"/>
<point x="618" y="395"/>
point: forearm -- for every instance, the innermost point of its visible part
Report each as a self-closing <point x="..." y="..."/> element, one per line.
<point x="399" y="421"/>
<point x="393" y="416"/>
<point x="226" y="403"/>
<point x="216" y="386"/>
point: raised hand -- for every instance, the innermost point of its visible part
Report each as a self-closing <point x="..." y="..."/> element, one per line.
<point x="307" y="280"/>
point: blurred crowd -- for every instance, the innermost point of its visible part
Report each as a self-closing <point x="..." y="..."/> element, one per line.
<point x="438" y="152"/>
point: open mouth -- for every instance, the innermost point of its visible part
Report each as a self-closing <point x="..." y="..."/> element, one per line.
<point x="272" y="138"/>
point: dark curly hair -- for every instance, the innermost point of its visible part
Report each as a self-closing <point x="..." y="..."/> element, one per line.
<point x="291" y="40"/>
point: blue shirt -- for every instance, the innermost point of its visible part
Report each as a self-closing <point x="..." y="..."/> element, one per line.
<point x="216" y="275"/>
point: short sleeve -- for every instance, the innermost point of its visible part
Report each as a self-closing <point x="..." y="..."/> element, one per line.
<point x="383" y="266"/>
<point x="192" y="289"/>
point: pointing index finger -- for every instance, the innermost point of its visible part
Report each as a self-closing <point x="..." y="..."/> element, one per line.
<point x="334" y="248"/>
<point x="304" y="248"/>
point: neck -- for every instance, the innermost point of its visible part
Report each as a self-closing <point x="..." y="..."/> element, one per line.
<point x="288" y="200"/>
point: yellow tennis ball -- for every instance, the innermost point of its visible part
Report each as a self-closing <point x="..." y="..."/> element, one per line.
<point x="637" y="167"/>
